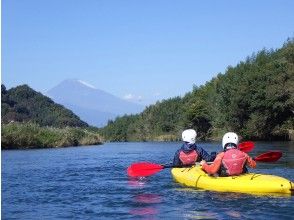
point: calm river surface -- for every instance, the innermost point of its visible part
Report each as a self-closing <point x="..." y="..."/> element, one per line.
<point x="90" y="182"/>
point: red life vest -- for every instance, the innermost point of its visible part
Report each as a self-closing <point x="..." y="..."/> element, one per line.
<point x="188" y="158"/>
<point x="234" y="161"/>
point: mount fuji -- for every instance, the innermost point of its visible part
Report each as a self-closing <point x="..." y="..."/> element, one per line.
<point x="92" y="105"/>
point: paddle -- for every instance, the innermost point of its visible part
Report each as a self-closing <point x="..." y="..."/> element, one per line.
<point x="147" y="169"/>
<point x="246" y="146"/>
<point x="270" y="156"/>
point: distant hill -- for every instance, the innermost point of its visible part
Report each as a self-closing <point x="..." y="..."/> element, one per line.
<point x="23" y="104"/>
<point x="92" y="105"/>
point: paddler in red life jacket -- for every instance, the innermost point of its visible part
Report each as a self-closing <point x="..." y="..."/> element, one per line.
<point x="189" y="153"/>
<point x="231" y="161"/>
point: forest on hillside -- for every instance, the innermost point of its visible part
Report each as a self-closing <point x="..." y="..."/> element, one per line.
<point x="254" y="99"/>
<point x="23" y="104"/>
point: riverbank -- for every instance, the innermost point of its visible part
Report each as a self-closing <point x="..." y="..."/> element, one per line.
<point x="30" y="136"/>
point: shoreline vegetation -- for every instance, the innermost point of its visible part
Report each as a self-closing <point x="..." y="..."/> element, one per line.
<point x="32" y="136"/>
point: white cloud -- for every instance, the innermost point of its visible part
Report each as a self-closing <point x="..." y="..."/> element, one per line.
<point x="128" y="96"/>
<point x="131" y="97"/>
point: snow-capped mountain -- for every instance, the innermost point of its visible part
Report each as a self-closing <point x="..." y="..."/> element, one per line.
<point x="92" y="105"/>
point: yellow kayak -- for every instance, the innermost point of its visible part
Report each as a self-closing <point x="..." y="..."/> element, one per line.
<point x="245" y="183"/>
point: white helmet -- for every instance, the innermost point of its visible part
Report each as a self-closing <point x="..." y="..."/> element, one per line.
<point x="189" y="136"/>
<point x="230" y="138"/>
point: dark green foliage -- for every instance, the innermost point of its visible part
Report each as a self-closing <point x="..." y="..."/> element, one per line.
<point x="254" y="99"/>
<point x="23" y="104"/>
<point x="159" y="119"/>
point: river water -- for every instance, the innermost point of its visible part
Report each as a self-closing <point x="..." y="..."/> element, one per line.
<point x="90" y="182"/>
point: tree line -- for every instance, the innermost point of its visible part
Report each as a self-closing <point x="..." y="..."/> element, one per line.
<point x="255" y="99"/>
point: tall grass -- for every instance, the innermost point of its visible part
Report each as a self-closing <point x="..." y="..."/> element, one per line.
<point x="29" y="135"/>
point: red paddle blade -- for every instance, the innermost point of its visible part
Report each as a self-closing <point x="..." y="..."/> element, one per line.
<point x="143" y="169"/>
<point x="246" y="146"/>
<point x="270" y="156"/>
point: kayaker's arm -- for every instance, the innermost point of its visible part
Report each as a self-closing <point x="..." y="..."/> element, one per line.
<point x="177" y="161"/>
<point x="215" y="166"/>
<point x="251" y="162"/>
<point x="203" y="155"/>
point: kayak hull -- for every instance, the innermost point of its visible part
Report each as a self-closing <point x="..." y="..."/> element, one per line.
<point x="246" y="183"/>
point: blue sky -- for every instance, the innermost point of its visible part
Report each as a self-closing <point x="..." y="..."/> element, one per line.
<point x="147" y="50"/>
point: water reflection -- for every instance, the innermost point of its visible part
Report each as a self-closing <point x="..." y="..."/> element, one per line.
<point x="234" y="214"/>
<point x="145" y="205"/>
<point x="144" y="211"/>
<point x="148" y="198"/>
<point x="138" y="182"/>
<point x="200" y="215"/>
